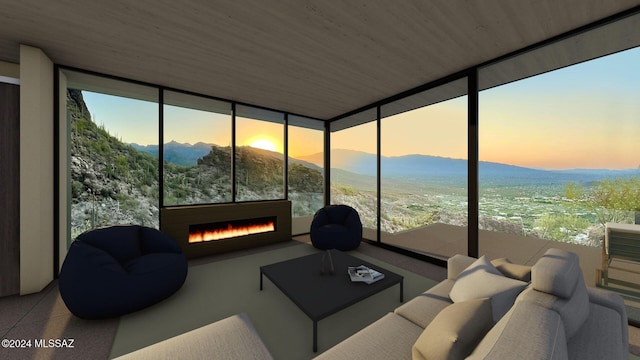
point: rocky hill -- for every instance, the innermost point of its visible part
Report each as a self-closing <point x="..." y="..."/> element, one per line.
<point x="111" y="182"/>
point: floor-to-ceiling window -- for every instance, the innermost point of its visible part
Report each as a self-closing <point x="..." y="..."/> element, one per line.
<point x="196" y="150"/>
<point x="354" y="167"/>
<point x="423" y="169"/>
<point x="305" y="142"/>
<point x="555" y="148"/>
<point x="113" y="153"/>
<point x="259" y="154"/>
<point x="550" y="145"/>
<point x="558" y="137"/>
<point x="114" y="179"/>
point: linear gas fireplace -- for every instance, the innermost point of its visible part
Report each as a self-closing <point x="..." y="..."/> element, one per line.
<point x="231" y="229"/>
<point x="211" y="229"/>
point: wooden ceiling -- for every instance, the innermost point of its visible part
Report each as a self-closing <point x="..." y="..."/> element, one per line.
<point x="313" y="58"/>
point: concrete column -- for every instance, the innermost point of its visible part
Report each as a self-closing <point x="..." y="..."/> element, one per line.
<point x="36" y="170"/>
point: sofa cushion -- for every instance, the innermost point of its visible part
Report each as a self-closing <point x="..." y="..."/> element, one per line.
<point x="528" y="331"/>
<point x="230" y="338"/>
<point x="514" y="271"/>
<point x="557" y="284"/>
<point x="614" y="302"/>
<point x="556" y="273"/>
<point x="482" y="280"/>
<point x="424" y="307"/>
<point x="601" y="336"/>
<point x="481" y="263"/>
<point x="574" y="311"/>
<point x="456" y="264"/>
<point x="455" y="331"/>
<point x="390" y="337"/>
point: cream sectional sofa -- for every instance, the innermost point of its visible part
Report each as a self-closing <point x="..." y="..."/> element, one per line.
<point x="230" y="338"/>
<point x="499" y="315"/>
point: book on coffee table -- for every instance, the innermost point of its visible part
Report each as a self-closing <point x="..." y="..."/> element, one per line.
<point x="364" y="274"/>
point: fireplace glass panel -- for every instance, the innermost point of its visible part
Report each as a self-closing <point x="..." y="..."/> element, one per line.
<point x="231" y="229"/>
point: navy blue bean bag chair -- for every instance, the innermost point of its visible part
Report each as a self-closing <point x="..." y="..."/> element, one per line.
<point x="115" y="270"/>
<point x="336" y="227"/>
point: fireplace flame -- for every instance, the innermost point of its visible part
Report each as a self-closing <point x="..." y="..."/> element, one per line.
<point x="231" y="231"/>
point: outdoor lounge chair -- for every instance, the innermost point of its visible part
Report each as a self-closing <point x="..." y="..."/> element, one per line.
<point x="621" y="245"/>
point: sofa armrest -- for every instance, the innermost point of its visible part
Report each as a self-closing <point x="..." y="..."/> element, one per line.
<point x="616" y="303"/>
<point x="516" y="336"/>
<point x="230" y="338"/>
<point x="456" y="264"/>
<point x="608" y="299"/>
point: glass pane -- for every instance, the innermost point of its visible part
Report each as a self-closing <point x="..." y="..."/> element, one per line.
<point x="114" y="172"/>
<point x="197" y="150"/>
<point x="424" y="172"/>
<point x="306" y="171"/>
<point x="354" y="173"/>
<point x="558" y="133"/>
<point x="259" y="154"/>
<point x="554" y="147"/>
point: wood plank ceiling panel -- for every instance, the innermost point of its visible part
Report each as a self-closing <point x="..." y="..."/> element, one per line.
<point x="314" y="58"/>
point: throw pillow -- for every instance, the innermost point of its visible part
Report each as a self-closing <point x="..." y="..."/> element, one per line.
<point x="482" y="280"/>
<point x="455" y="331"/>
<point x="514" y="271"/>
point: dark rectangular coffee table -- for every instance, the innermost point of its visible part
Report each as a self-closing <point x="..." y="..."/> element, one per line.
<point x="318" y="294"/>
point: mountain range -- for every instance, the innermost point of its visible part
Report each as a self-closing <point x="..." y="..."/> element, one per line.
<point x="183" y="154"/>
<point x="417" y="167"/>
<point x="436" y="167"/>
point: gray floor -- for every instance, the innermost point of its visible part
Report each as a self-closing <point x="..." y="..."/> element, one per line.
<point x="44" y="316"/>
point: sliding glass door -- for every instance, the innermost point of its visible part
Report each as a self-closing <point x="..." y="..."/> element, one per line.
<point x="354" y="167"/>
<point x="423" y="174"/>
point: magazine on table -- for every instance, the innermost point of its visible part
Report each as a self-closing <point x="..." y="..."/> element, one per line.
<point x="364" y="274"/>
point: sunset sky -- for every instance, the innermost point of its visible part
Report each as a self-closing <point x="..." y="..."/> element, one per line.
<point x="583" y="116"/>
